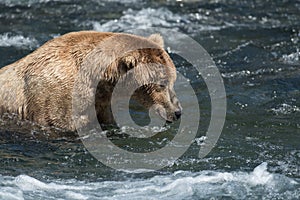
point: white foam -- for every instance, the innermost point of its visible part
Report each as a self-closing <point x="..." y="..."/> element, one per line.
<point x="248" y="73"/>
<point x="147" y="17"/>
<point x="260" y="175"/>
<point x="160" y="17"/>
<point x="200" y="141"/>
<point x="27" y="183"/>
<point x="19" y="41"/>
<point x="185" y="184"/>
<point x="293" y="58"/>
<point x="285" y="109"/>
<point x="75" y="195"/>
<point x="178" y="185"/>
<point x="9" y="193"/>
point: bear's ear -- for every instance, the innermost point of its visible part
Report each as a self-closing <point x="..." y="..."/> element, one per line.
<point x="158" y="39"/>
<point x="126" y="63"/>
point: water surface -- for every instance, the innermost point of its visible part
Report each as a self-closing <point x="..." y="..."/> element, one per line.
<point x="255" y="45"/>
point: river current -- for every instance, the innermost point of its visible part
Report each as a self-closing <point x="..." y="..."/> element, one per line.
<point x="255" y="46"/>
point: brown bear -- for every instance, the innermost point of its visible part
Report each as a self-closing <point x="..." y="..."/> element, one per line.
<point x="40" y="87"/>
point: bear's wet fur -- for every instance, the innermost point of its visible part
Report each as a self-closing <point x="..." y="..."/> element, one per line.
<point x="40" y="86"/>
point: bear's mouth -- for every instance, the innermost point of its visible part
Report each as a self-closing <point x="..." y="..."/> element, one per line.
<point x="163" y="115"/>
<point x="160" y="111"/>
<point x="169" y="117"/>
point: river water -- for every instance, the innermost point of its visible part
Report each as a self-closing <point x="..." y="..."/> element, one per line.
<point x="256" y="47"/>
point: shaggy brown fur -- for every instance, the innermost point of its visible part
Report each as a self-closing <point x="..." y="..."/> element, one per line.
<point x="40" y="87"/>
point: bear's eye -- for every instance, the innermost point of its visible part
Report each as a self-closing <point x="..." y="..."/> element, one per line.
<point x="160" y="88"/>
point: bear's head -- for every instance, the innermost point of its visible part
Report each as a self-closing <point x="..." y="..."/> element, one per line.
<point x="140" y="63"/>
<point x="148" y="66"/>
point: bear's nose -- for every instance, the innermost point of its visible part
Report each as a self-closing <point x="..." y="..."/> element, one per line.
<point x="177" y="114"/>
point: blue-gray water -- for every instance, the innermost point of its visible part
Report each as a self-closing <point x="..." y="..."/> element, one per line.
<point x="256" y="47"/>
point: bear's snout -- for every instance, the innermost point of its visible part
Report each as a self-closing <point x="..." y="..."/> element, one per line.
<point x="177" y="114"/>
